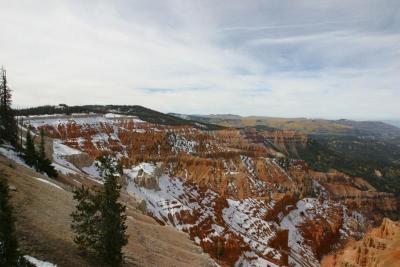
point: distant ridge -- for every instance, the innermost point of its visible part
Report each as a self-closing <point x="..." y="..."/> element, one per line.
<point x="143" y="113"/>
<point x="342" y="127"/>
<point x="393" y="122"/>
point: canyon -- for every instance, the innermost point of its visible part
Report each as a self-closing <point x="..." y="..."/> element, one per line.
<point x="236" y="192"/>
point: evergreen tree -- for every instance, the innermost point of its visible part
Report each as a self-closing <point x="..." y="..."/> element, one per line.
<point x="86" y="219"/>
<point x="42" y="153"/>
<point x="30" y="155"/>
<point x="8" y="123"/>
<point x="99" y="221"/>
<point x="113" y="227"/>
<point x="8" y="242"/>
<point x="44" y="164"/>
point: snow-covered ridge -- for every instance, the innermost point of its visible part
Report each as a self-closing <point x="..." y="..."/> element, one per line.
<point x="60" y="152"/>
<point x="79" y="119"/>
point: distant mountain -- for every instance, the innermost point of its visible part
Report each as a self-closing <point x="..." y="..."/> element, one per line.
<point x="220" y="116"/>
<point x="393" y="122"/>
<point x="375" y="129"/>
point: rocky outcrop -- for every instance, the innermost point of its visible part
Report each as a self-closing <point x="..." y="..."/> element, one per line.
<point x="379" y="247"/>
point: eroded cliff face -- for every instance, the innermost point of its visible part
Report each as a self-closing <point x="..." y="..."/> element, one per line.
<point x="233" y="191"/>
<point x="357" y="194"/>
<point x="379" y="247"/>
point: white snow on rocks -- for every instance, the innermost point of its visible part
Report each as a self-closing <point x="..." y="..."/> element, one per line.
<point x="175" y="199"/>
<point x="245" y="218"/>
<point x="301" y="254"/>
<point x="164" y="204"/>
<point x="60" y="151"/>
<point x="146" y="167"/>
<point x="250" y="259"/>
<point x="181" y="144"/>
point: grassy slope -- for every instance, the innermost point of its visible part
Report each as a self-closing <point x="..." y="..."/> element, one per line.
<point x="43" y="223"/>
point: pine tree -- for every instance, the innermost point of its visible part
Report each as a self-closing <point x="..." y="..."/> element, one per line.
<point x="44" y="164"/>
<point x="99" y="221"/>
<point x="8" y="242"/>
<point x="8" y="123"/>
<point x="86" y="220"/>
<point x="30" y="151"/>
<point x="42" y="153"/>
<point x="113" y="228"/>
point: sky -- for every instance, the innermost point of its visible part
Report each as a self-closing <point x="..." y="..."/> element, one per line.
<point x="298" y="58"/>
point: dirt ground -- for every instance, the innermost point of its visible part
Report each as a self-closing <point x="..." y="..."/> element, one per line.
<point x="43" y="226"/>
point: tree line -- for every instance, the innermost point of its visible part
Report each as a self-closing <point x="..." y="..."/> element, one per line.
<point x="9" y="133"/>
<point x="8" y="123"/>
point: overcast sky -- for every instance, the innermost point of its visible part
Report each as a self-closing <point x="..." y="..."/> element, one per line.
<point x="329" y="59"/>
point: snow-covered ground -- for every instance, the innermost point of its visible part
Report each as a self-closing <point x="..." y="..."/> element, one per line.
<point x="39" y="263"/>
<point x="48" y="182"/>
<point x="92" y="170"/>
<point x="182" y="144"/>
<point x="250" y="259"/>
<point x="301" y="254"/>
<point x="164" y="202"/>
<point x="11" y="154"/>
<point x="79" y="119"/>
<point x="146" y="167"/>
<point x="246" y="218"/>
<point x="60" y="151"/>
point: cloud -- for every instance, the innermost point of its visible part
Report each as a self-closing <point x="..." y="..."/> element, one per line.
<point x="275" y="58"/>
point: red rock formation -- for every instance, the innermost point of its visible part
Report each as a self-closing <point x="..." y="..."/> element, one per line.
<point x="357" y="194"/>
<point x="228" y="165"/>
<point x="379" y="247"/>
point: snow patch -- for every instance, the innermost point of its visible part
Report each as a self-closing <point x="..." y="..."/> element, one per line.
<point x="146" y="167"/>
<point x="39" y="263"/>
<point x="60" y="151"/>
<point x="250" y="259"/>
<point x="11" y="154"/>
<point x="301" y="253"/>
<point x="48" y="182"/>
